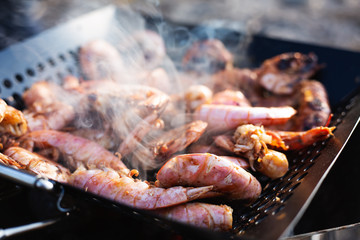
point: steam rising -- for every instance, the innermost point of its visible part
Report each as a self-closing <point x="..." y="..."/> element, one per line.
<point x="132" y="93"/>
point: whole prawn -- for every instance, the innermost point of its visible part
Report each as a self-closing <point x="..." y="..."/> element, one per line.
<point x="204" y="215"/>
<point x="109" y="184"/>
<point x="227" y="117"/>
<point x="78" y="151"/>
<point x="38" y="164"/>
<point x="204" y="169"/>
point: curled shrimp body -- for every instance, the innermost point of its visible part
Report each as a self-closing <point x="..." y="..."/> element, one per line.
<point x="109" y="184"/>
<point x="204" y="215"/>
<point x="251" y="141"/>
<point x="226" y="117"/>
<point x="38" y="164"/>
<point x="280" y="74"/>
<point x="78" y="151"/>
<point x="204" y="169"/>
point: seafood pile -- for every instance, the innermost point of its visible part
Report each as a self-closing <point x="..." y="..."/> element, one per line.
<point x="130" y="135"/>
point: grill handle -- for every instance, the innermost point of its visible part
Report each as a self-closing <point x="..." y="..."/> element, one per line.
<point x="8" y="232"/>
<point x="26" y="178"/>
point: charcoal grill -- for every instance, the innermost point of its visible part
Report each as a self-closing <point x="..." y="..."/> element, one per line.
<point x="52" y="55"/>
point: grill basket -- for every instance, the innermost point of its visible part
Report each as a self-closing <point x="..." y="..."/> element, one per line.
<point x="53" y="54"/>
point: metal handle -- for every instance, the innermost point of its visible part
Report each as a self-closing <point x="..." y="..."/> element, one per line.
<point x="25" y="178"/>
<point x="4" y="233"/>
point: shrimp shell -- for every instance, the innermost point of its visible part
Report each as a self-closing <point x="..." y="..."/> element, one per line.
<point x="204" y="169"/>
<point x="204" y="215"/>
<point x="109" y="184"/>
<point x="38" y="164"/>
<point x="80" y="150"/>
<point x="226" y="117"/>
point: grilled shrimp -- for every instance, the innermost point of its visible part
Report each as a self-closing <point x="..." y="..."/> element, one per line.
<point x="140" y="194"/>
<point x="207" y="56"/>
<point x="204" y="169"/>
<point x="13" y="122"/>
<point x="226" y="117"/>
<point x="123" y="106"/>
<point x="6" y="160"/>
<point x="3" y="107"/>
<point x="155" y="152"/>
<point x="231" y="97"/>
<point x="302" y="139"/>
<point x="314" y="109"/>
<point x="237" y="79"/>
<point x="280" y="74"/>
<point x="105" y="138"/>
<point x="49" y="106"/>
<point x="101" y="60"/>
<point x="202" y="148"/>
<point x="204" y="215"/>
<point x="146" y="48"/>
<point x="133" y="139"/>
<point x="78" y="151"/>
<point x="196" y="95"/>
<point x="38" y="164"/>
<point x="251" y="141"/>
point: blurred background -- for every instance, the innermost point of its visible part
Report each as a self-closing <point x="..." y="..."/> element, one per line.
<point x="334" y="23"/>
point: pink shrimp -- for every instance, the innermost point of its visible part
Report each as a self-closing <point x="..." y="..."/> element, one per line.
<point x="38" y="164"/>
<point x="6" y="160"/>
<point x="196" y="95"/>
<point x="49" y="106"/>
<point x="109" y="184"/>
<point x="77" y="150"/>
<point x="204" y="169"/>
<point x="226" y="117"/>
<point x="101" y="60"/>
<point x="204" y="215"/>
<point x="230" y="97"/>
<point x="146" y="48"/>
